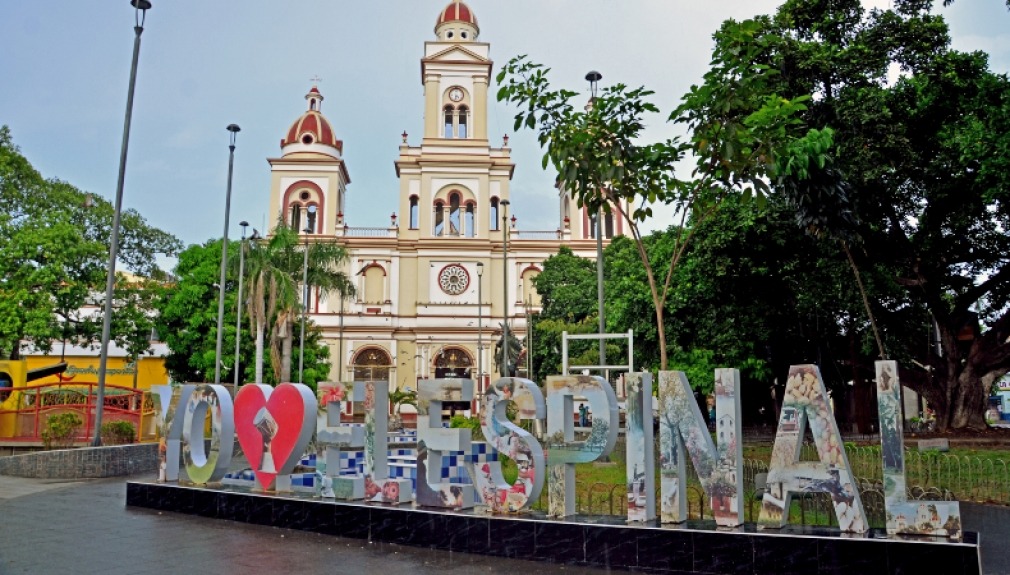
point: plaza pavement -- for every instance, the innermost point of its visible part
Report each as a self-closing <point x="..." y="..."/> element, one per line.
<point x="85" y="527"/>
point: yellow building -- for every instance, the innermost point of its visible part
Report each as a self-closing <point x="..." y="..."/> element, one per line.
<point x="82" y="366"/>
<point x="431" y="283"/>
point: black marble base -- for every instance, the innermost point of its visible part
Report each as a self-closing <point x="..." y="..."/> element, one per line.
<point x="695" y="547"/>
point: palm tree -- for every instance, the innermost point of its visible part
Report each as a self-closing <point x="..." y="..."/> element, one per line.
<point x="269" y="288"/>
<point x="274" y="270"/>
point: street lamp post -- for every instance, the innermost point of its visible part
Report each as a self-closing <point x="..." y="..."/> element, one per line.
<point x="505" y="294"/>
<point x="238" y="320"/>
<point x="140" y="14"/>
<point x="593" y="77"/>
<point x="233" y="130"/>
<point x="305" y="306"/>
<point x="480" y="325"/>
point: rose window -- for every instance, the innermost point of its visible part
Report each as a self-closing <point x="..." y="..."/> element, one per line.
<point x="453" y="279"/>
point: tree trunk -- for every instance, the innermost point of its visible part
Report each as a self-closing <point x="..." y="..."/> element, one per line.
<point x="862" y="398"/>
<point x="967" y="402"/>
<point x="286" y="341"/>
<point x="260" y="328"/>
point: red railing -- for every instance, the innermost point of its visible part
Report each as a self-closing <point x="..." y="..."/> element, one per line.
<point x="23" y="410"/>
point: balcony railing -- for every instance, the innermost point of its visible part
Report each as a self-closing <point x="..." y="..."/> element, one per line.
<point x="535" y="235"/>
<point x="349" y="232"/>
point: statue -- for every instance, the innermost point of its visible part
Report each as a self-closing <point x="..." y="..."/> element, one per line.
<point x="515" y="347"/>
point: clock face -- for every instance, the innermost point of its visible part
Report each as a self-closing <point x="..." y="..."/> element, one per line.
<point x="453" y="279"/>
<point x="455" y="94"/>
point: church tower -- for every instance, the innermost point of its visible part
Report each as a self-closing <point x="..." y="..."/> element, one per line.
<point x="309" y="180"/>
<point x="435" y="285"/>
<point x="451" y="186"/>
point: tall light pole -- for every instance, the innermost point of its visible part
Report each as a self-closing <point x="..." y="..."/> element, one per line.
<point x="594" y="77"/>
<point x="233" y="130"/>
<point x="238" y="320"/>
<point x="140" y="13"/>
<point x="505" y="294"/>
<point x="480" y="324"/>
<point x="305" y="305"/>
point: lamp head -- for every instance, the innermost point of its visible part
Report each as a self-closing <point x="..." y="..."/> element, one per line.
<point x="234" y="130"/>
<point x="593" y="77"/>
<point x="141" y="7"/>
<point x="480" y="269"/>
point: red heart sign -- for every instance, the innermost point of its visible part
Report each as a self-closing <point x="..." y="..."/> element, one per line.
<point x="274" y="426"/>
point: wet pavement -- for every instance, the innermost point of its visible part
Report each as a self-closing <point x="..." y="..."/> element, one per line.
<point x="85" y="527"/>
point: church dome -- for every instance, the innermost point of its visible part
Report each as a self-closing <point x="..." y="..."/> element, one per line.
<point x="312" y="129"/>
<point x="457" y="13"/>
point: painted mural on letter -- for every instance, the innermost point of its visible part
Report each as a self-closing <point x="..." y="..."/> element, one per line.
<point x="434" y="440"/>
<point x="806" y="401"/>
<point x="563" y="452"/>
<point x="513" y="441"/>
<point x="683" y="433"/>
<point x="939" y="518"/>
<point x="641" y="457"/>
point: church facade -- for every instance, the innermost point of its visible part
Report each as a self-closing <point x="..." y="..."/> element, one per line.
<point x="435" y="282"/>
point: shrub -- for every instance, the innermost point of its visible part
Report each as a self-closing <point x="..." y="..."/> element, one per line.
<point x="471" y="423"/>
<point x="118" y="433"/>
<point x="60" y="430"/>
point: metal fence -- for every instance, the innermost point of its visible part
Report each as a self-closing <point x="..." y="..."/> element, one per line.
<point x="929" y="476"/>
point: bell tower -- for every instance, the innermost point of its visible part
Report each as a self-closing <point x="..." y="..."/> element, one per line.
<point x="309" y="180"/>
<point x="452" y="186"/>
<point x="456" y="70"/>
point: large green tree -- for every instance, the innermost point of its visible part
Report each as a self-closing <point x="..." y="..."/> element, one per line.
<point x="924" y="162"/>
<point x="54" y="245"/>
<point x="741" y="133"/>
<point x="188" y="323"/>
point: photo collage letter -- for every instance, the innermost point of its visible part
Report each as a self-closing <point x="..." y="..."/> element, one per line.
<point x="683" y="433"/>
<point x="167" y="399"/>
<point x="203" y="467"/>
<point x="806" y="400"/>
<point x="274" y="430"/>
<point x="434" y="441"/>
<point x="332" y="435"/>
<point x="374" y="484"/>
<point x="904" y="517"/>
<point x="640" y="462"/>
<point x="563" y="452"/>
<point x="513" y="441"/>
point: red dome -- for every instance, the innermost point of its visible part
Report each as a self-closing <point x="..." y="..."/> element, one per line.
<point x="457" y="12"/>
<point x="312" y="127"/>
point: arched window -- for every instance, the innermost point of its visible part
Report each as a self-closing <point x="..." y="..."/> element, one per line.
<point x="371" y="364"/>
<point x="310" y="220"/>
<point x="296" y="217"/>
<point x="454" y="223"/>
<point x="452" y="362"/>
<point x="375" y="284"/>
<point x="471" y="223"/>
<point x="530" y="294"/>
<point x="592" y="225"/>
<point x="448" y="121"/>
<point x="608" y="225"/>
<point x="461" y="127"/>
<point x="494" y="214"/>
<point x="439" y="215"/>
<point x="414" y="212"/>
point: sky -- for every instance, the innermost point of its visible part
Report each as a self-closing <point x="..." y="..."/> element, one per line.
<point x="64" y="72"/>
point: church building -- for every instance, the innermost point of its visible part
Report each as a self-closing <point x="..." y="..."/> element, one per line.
<point x="436" y="281"/>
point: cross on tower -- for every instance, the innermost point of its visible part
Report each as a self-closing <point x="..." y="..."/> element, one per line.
<point x="315" y="79"/>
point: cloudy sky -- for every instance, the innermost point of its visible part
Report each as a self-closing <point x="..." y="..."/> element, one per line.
<point x="64" y="69"/>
